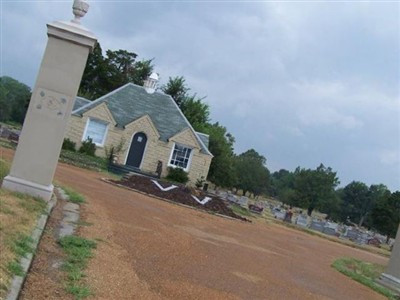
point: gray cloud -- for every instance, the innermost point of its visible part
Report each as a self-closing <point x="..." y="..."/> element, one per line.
<point x="302" y="83"/>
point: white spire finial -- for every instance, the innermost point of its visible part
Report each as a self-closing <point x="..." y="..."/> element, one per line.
<point x="79" y="8"/>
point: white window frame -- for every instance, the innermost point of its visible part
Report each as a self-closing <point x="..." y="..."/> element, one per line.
<point x="189" y="159"/>
<point x="84" y="137"/>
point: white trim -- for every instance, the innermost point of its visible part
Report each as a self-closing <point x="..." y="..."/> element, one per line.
<point x="130" y="145"/>
<point x="105" y="133"/>
<point x="189" y="164"/>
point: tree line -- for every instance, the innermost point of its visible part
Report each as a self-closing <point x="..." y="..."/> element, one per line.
<point x="374" y="206"/>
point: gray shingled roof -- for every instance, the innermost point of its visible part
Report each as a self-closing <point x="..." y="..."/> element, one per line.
<point x="204" y="138"/>
<point x="130" y="102"/>
<point x="79" y="102"/>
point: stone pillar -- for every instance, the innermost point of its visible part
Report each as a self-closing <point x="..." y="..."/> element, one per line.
<point x="50" y="107"/>
<point x="391" y="277"/>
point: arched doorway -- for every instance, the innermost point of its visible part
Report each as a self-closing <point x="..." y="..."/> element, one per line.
<point x="136" y="150"/>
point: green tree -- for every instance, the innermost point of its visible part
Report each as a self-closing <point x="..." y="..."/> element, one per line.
<point x="177" y="89"/>
<point x="222" y="171"/>
<point x="282" y="186"/>
<point x="94" y="80"/>
<point x="356" y="202"/>
<point x="14" y="99"/>
<point x="314" y="189"/>
<point x="196" y="111"/>
<point x="386" y="214"/>
<point x="376" y="193"/>
<point x="141" y="71"/>
<point x="253" y="175"/>
<point x="105" y="74"/>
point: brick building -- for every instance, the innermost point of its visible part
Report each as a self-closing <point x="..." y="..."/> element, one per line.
<point x="149" y="125"/>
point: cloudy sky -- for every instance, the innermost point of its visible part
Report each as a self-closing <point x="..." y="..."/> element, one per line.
<point x="302" y="82"/>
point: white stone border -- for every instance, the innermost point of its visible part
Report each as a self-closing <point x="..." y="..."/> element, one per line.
<point x="164" y="189"/>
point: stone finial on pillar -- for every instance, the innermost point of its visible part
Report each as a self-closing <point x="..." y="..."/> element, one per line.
<point x="79" y="8"/>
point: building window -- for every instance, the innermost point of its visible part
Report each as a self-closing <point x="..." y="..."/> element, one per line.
<point x="96" y="130"/>
<point x="180" y="157"/>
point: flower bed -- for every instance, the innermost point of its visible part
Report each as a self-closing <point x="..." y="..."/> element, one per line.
<point x="181" y="194"/>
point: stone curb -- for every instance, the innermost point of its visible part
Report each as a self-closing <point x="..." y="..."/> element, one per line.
<point x="25" y="262"/>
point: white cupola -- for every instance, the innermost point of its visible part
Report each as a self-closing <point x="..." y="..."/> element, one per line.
<point x="150" y="83"/>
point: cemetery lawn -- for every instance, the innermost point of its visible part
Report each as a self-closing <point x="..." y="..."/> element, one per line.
<point x="18" y="216"/>
<point x="363" y="272"/>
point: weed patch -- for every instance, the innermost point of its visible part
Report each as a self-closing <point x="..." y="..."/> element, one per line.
<point x="22" y="245"/>
<point x="15" y="268"/>
<point x="78" y="251"/>
<point x="74" y="197"/>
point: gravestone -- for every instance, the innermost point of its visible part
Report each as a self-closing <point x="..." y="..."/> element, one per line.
<point x="302" y="220"/>
<point x="52" y="100"/>
<point x="243" y="201"/>
<point x="317" y="225"/>
<point x="232" y="198"/>
<point x="352" y="234"/>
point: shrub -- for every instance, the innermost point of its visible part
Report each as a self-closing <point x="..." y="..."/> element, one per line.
<point x="177" y="175"/>
<point x="88" y="147"/>
<point x="113" y="151"/>
<point x="199" y="182"/>
<point x="83" y="161"/>
<point x="68" y="145"/>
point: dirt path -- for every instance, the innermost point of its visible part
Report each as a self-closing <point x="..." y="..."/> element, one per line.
<point x="155" y="250"/>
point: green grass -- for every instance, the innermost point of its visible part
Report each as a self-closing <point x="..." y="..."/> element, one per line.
<point x="241" y="211"/>
<point x="83" y="161"/>
<point x="22" y="245"/>
<point x="74" y="196"/>
<point x="31" y="204"/>
<point x="15" y="268"/>
<point x="78" y="251"/>
<point x="363" y="272"/>
<point x="4" y="169"/>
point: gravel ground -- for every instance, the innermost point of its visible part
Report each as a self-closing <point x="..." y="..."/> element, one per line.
<point x="151" y="249"/>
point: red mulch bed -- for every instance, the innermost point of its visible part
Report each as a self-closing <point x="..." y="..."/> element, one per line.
<point x="181" y="194"/>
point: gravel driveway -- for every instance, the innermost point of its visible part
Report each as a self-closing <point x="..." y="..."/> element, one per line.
<point x="150" y="249"/>
<point x="156" y="250"/>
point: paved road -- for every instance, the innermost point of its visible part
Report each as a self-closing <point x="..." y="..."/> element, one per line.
<point x="150" y="249"/>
